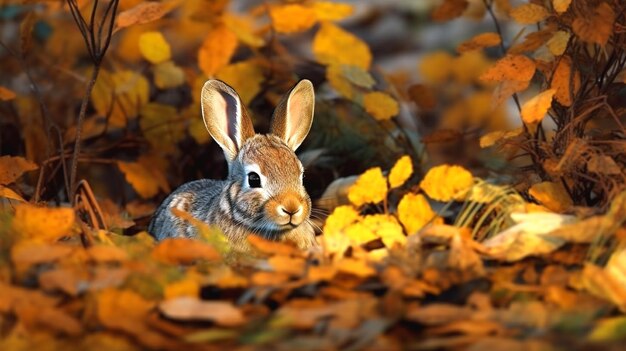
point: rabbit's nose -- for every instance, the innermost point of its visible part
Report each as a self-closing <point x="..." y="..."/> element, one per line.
<point x="290" y="211"/>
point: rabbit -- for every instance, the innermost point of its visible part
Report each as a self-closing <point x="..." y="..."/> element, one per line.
<point x="263" y="194"/>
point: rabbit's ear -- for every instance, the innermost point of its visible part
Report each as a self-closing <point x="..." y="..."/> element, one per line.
<point x="224" y="117"/>
<point x="294" y="114"/>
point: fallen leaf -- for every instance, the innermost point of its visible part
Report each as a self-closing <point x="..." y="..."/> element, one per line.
<point x="8" y="193"/>
<point x="6" y="94"/>
<point x="437" y="314"/>
<point x="13" y="167"/>
<point x="552" y="195"/>
<point x="370" y="187"/>
<point x="285" y="264"/>
<point x="43" y="223"/>
<point x="190" y="308"/>
<point x="184" y="251"/>
<point x="446" y="182"/>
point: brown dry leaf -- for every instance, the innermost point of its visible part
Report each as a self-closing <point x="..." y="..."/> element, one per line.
<point x="517" y="68"/>
<point x="43" y="223"/>
<point x="26" y="33"/>
<point x="480" y="41"/>
<point x="6" y="94"/>
<point x="536" y="108"/>
<point x="532" y="41"/>
<point x="595" y="26"/>
<point x="380" y="105"/>
<point x="561" y="81"/>
<point x="529" y="13"/>
<point x="561" y="6"/>
<point x="217" y="49"/>
<point x="449" y="9"/>
<point x="603" y="164"/>
<point x="144" y="12"/>
<point x="222" y="313"/>
<point x="552" y="195"/>
<point x="423" y="96"/>
<point x="330" y="43"/>
<point x="12" y="167"/>
<point x="292" y="18"/>
<point x="184" y="251"/>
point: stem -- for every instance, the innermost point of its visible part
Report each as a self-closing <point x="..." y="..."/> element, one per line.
<point x="79" y="128"/>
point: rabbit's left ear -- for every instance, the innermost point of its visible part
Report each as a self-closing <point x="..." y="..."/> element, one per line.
<point x="294" y="114"/>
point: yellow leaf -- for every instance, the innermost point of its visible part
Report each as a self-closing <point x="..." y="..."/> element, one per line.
<point x="42" y="223"/>
<point x="12" y="167"/>
<point x="6" y="94"/>
<point x="552" y="195"/>
<point x="245" y="77"/>
<point x="511" y="67"/>
<point x="292" y="18"/>
<point x="561" y="6"/>
<point x="185" y="287"/>
<point x="561" y="81"/>
<point x="449" y="9"/>
<point x="558" y="43"/>
<point x="595" y="26"/>
<point x="445" y="183"/>
<point x="121" y="93"/>
<point x="243" y="27"/>
<point x="480" y="41"/>
<point x="167" y="75"/>
<point x="333" y="45"/>
<point x="154" y="47"/>
<point x="498" y="136"/>
<point x="359" y="234"/>
<point x="380" y="105"/>
<point x="8" y="193"/>
<point x="436" y="67"/>
<point x="414" y="212"/>
<point x="355" y="267"/>
<point x="341" y="217"/>
<point x="529" y="13"/>
<point x="536" y="108"/>
<point x="198" y="131"/>
<point x="331" y="11"/>
<point x="387" y="228"/>
<point x="337" y="80"/>
<point x="469" y="66"/>
<point x="370" y="187"/>
<point x="217" y="49"/>
<point x="400" y="172"/>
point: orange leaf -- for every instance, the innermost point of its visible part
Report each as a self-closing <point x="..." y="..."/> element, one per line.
<point x="217" y="49"/>
<point x="449" y="9"/>
<point x="223" y="313"/>
<point x="535" y="109"/>
<point x="245" y="77"/>
<point x="47" y="224"/>
<point x="292" y="18"/>
<point x="552" y="195"/>
<point x="184" y="251"/>
<point x="331" y="11"/>
<point x="561" y="6"/>
<point x="6" y="94"/>
<point x="511" y="67"/>
<point x="561" y="81"/>
<point x="480" y="41"/>
<point x="529" y="13"/>
<point x="144" y="12"/>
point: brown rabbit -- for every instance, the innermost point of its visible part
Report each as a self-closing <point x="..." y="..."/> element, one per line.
<point x="263" y="194"/>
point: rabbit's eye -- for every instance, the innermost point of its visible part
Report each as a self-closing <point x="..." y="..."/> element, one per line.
<point x="254" y="181"/>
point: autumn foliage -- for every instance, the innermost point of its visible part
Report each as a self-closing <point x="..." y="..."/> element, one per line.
<point x="472" y="199"/>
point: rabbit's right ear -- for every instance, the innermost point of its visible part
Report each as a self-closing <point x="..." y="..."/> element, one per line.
<point x="224" y="117"/>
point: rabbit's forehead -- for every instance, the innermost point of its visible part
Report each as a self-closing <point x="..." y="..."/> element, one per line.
<point x="271" y="156"/>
